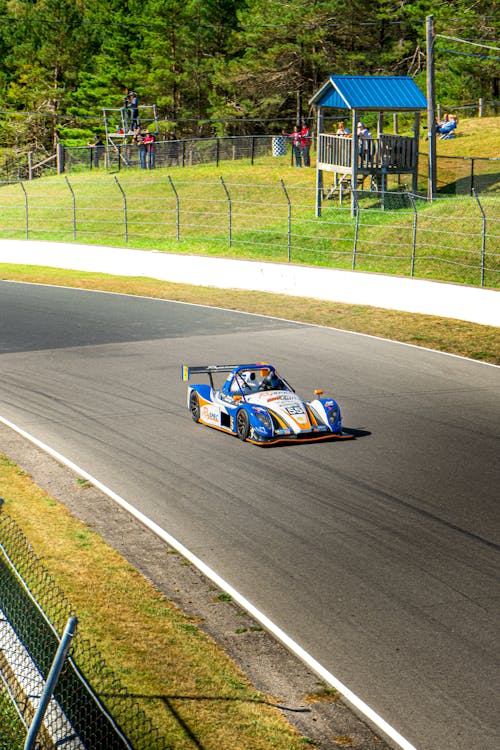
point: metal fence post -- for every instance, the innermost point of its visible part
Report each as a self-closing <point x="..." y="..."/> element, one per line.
<point x="289" y="225"/>
<point x="60" y="158"/>
<point x="26" y="209"/>
<point x="54" y="674"/>
<point x="414" y="243"/>
<point x="483" y="236"/>
<point x="125" y="218"/>
<point x="177" y="209"/>
<point x="74" y="205"/>
<point x="229" y="212"/>
<point x="357" y="212"/>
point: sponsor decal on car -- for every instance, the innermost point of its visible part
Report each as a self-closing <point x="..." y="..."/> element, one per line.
<point x="209" y="414"/>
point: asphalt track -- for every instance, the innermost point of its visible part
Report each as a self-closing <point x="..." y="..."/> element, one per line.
<point x="379" y="556"/>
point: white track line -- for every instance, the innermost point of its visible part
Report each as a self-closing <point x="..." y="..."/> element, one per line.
<point x="294" y="647"/>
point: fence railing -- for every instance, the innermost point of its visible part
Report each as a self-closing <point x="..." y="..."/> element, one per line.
<point x="451" y="239"/>
<point x="90" y="710"/>
<point x="390" y="152"/>
<point x="170" y="153"/>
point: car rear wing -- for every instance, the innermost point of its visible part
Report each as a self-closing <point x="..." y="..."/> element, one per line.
<point x="188" y="370"/>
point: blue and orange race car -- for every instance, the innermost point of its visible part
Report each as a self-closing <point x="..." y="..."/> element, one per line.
<point x="255" y="403"/>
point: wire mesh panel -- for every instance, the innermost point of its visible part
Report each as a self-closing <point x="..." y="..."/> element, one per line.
<point x="90" y="709"/>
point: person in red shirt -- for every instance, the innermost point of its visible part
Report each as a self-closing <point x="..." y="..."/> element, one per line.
<point x="305" y="143"/>
<point x="149" y="140"/>
<point x="296" y="139"/>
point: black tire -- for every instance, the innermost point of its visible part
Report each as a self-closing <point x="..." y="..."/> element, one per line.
<point x="194" y="406"/>
<point x="242" y="424"/>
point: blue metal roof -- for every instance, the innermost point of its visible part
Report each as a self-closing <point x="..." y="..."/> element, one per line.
<point x="372" y="93"/>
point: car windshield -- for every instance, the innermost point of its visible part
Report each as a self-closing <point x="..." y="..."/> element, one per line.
<point x="255" y="380"/>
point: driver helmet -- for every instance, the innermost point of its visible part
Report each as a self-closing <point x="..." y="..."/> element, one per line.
<point x="273" y="380"/>
<point x="249" y="378"/>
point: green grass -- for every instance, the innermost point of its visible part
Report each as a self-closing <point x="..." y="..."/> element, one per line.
<point x="12" y="731"/>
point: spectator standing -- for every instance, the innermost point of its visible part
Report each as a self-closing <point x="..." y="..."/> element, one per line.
<point x="97" y="149"/>
<point x="342" y="130"/>
<point x="305" y="143"/>
<point x="134" y="111"/>
<point x="363" y="131"/>
<point x="126" y="111"/>
<point x="296" y="139"/>
<point x="138" y="139"/>
<point x="363" y="144"/>
<point x="149" y="141"/>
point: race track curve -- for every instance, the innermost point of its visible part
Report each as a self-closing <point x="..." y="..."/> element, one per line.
<point x="379" y="556"/>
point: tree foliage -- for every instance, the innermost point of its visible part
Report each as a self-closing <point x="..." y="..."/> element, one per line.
<point x="235" y="64"/>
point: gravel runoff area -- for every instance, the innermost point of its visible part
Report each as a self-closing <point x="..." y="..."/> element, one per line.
<point x="270" y="666"/>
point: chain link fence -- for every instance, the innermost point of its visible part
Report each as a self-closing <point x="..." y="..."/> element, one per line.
<point x="463" y="175"/>
<point x="449" y="239"/>
<point x="90" y="709"/>
<point x="123" y="154"/>
<point x="171" y="153"/>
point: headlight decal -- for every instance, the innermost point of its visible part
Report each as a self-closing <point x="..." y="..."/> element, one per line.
<point x="264" y="418"/>
<point x="333" y="415"/>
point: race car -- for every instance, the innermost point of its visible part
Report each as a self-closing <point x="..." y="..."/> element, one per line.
<point x="256" y="404"/>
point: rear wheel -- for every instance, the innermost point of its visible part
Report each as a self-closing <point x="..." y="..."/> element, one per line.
<point x="242" y="425"/>
<point x="194" y="406"/>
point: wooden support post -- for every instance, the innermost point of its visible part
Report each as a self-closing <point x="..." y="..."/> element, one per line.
<point x="380" y="124"/>
<point x="319" y="173"/>
<point x="416" y="138"/>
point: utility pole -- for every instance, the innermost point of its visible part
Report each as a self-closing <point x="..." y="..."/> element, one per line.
<point x="299" y="105"/>
<point x="431" y="106"/>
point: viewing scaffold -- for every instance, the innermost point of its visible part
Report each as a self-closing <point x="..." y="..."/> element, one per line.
<point x="118" y="121"/>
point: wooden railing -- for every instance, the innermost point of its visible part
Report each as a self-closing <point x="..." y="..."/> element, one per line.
<point x="390" y="152"/>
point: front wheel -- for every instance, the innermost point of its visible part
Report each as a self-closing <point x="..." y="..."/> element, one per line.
<point x="194" y="406"/>
<point x="242" y="425"/>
